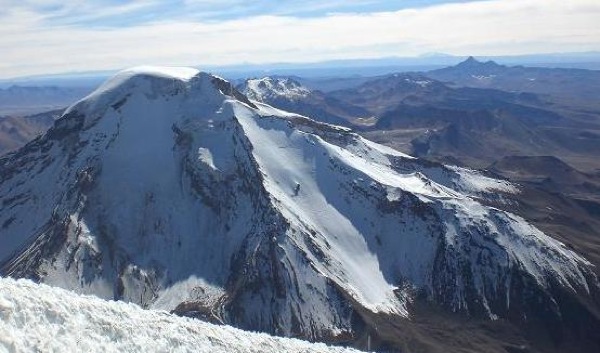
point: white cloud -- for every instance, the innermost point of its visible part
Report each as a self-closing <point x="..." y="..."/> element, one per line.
<point x="497" y="27"/>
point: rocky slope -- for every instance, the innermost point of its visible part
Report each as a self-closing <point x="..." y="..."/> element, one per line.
<point x="573" y="86"/>
<point x="16" y="131"/>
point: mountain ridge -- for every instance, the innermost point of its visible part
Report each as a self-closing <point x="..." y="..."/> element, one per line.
<point x="563" y="84"/>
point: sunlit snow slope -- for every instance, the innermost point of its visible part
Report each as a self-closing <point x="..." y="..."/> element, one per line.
<point x="170" y="189"/>
<point x="39" y="318"/>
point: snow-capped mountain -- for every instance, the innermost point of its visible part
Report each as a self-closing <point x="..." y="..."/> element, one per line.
<point x="35" y="318"/>
<point x="289" y="95"/>
<point x="169" y="188"/>
<point x="266" y="88"/>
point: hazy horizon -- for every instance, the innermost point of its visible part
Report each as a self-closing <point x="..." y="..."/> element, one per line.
<point x="331" y="68"/>
<point x="52" y="37"/>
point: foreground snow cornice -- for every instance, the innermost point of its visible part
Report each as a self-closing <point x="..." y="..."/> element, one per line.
<point x="39" y="318"/>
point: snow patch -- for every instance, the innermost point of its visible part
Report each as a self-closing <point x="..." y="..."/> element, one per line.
<point x="473" y="182"/>
<point x="422" y="83"/>
<point x="483" y="77"/>
<point x="205" y="156"/>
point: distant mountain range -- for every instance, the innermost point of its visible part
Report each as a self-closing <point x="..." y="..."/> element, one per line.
<point x="564" y="85"/>
<point x="16" y="131"/>
<point x="347" y="68"/>
<point x="26" y="100"/>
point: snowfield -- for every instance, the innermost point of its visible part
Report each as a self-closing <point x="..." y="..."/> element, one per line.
<point x="39" y="318"/>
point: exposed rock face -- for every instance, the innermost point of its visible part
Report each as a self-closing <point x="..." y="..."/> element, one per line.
<point x="170" y="189"/>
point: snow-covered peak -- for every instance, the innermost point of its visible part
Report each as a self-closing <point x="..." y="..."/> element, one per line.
<point x="270" y="87"/>
<point x="154" y="82"/>
<point x="173" y="72"/>
<point x="473" y="65"/>
<point x="134" y="75"/>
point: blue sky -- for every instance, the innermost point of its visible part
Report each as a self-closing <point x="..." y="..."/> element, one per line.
<point x="52" y="36"/>
<point x="113" y="13"/>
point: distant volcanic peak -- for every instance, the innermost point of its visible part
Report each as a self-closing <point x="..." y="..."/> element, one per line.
<point x="472" y="63"/>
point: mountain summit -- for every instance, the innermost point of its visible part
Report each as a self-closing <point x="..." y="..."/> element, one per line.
<point x="270" y="88"/>
<point x="169" y="188"/>
<point x="288" y="94"/>
<point x="479" y="67"/>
